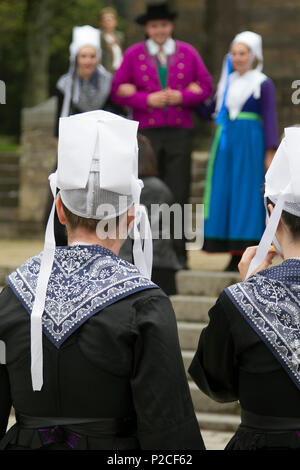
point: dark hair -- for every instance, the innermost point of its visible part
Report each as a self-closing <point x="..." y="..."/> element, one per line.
<point x="147" y="158"/>
<point x="291" y="221"/>
<point x="75" y="221"/>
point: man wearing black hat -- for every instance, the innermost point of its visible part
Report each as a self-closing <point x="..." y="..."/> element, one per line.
<point x="162" y="99"/>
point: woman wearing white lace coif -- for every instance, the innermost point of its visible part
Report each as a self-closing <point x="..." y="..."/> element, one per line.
<point x="87" y="85"/>
<point x="250" y="350"/>
<point x="244" y="145"/>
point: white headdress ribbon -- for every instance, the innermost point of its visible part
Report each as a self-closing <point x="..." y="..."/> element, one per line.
<point x="78" y="139"/>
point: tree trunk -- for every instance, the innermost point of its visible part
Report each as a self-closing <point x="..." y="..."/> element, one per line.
<point x="38" y="22"/>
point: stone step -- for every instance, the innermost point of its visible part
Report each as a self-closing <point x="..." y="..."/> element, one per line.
<point x="198" y="174"/>
<point x="9" y="170"/>
<point x="9" y="158"/>
<point x="204" y="404"/>
<point x="205" y="283"/>
<point x="189" y="334"/>
<point x="8" y="181"/>
<point x="190" y="308"/>
<point x="187" y="357"/>
<point x="199" y="159"/>
<point x="8" y="214"/>
<point x="197" y="189"/>
<point x="196" y="200"/>
<point x="218" y="421"/>
<point x="9" y="228"/>
<point x="12" y="419"/>
<point x="17" y="229"/>
<point x="9" y="198"/>
<point x="9" y="190"/>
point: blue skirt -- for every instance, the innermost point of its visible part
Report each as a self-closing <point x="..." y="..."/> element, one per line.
<point x="233" y="200"/>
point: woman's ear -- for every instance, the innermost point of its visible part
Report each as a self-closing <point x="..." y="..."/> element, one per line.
<point x="60" y="211"/>
<point x="270" y="209"/>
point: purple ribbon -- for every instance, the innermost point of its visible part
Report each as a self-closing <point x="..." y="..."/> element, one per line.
<point x="59" y="434"/>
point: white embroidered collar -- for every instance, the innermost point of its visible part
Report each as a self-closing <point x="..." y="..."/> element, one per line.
<point x="270" y="303"/>
<point x="83" y="281"/>
<point x="241" y="87"/>
<point x="169" y="47"/>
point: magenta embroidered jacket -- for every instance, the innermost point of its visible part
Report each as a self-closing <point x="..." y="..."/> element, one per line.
<point x="140" y="68"/>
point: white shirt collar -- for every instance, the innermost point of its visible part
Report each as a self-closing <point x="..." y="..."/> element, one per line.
<point x="169" y="47"/>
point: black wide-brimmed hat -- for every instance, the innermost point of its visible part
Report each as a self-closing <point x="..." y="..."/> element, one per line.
<point x="156" y="11"/>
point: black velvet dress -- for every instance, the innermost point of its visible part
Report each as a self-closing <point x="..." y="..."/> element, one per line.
<point x="235" y="362"/>
<point x="121" y="367"/>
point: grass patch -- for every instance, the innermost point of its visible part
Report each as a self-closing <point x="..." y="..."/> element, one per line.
<point x="9" y="144"/>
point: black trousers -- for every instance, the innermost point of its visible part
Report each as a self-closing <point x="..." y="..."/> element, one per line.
<point x="173" y="147"/>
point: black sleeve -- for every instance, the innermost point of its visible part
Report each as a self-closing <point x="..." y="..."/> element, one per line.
<point x="214" y="367"/>
<point x="5" y="400"/>
<point x="206" y="109"/>
<point x="162" y="400"/>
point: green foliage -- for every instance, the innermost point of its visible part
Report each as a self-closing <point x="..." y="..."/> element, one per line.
<point x="13" y="61"/>
<point x="8" y="144"/>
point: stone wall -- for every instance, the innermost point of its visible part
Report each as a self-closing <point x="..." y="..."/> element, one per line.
<point x="278" y="23"/>
<point x="38" y="159"/>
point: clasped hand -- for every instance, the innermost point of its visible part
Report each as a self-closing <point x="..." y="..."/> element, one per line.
<point x="161" y="98"/>
<point x="170" y="97"/>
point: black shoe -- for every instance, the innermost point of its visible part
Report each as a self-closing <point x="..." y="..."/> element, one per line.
<point x="233" y="264"/>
